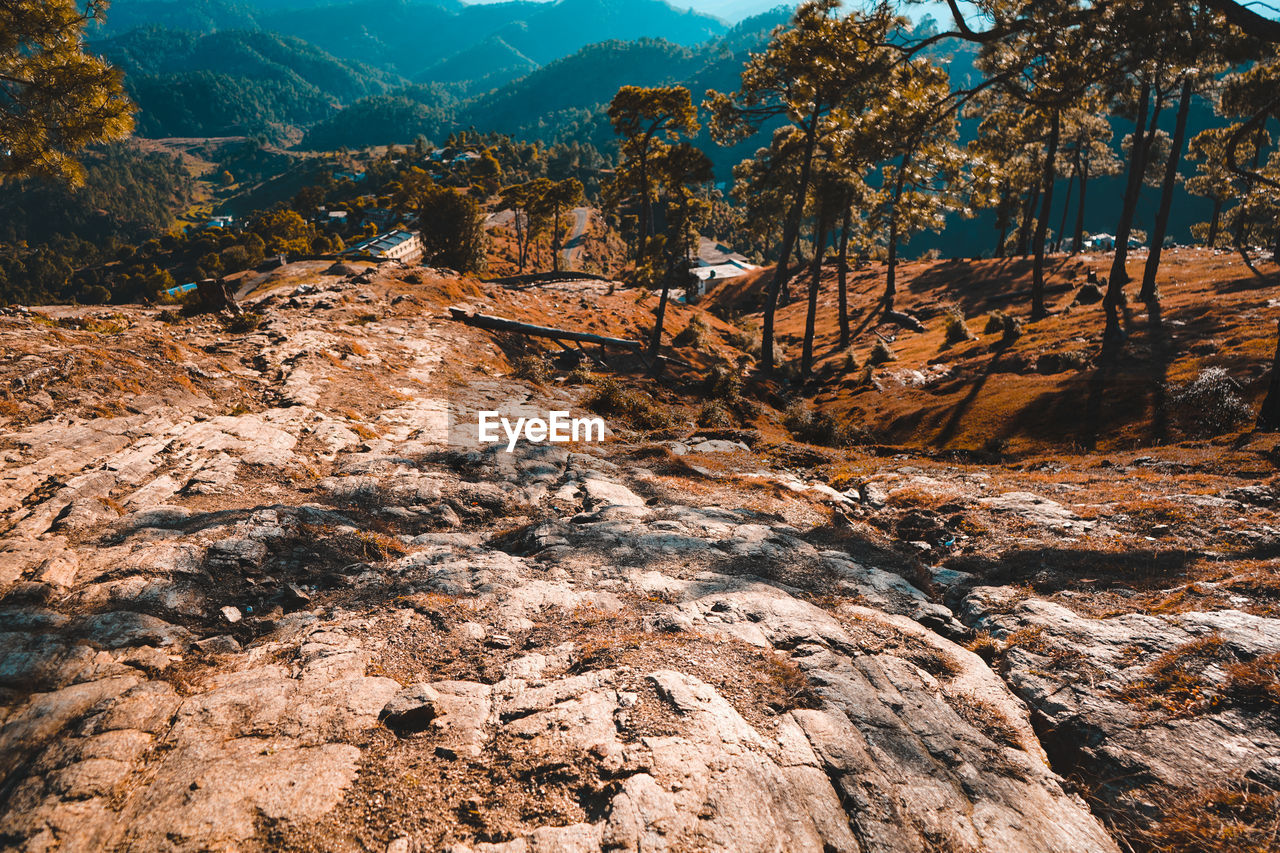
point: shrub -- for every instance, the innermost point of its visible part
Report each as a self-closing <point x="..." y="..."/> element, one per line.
<point x="850" y="360"/>
<point x="693" y="335"/>
<point x="1210" y="405"/>
<point x="532" y="368"/>
<point x="722" y="383"/>
<point x="1012" y="329"/>
<point x="882" y="353"/>
<point x="744" y="337"/>
<point x="723" y="386"/>
<point x="1009" y="327"/>
<point x="714" y="415"/>
<point x="820" y="428"/>
<point x="957" y="330"/>
<point x="635" y="408"/>
<point x="242" y="324"/>
<point x="581" y="374"/>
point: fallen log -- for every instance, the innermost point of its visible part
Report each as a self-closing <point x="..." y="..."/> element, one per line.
<point x="904" y="320"/>
<point x="502" y="324"/>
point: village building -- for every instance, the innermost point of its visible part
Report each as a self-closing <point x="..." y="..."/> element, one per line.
<point x="713" y="263"/>
<point x="395" y="245"/>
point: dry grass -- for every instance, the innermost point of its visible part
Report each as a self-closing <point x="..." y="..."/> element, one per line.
<point x="1255" y="683"/>
<point x="984" y="717"/>
<point x="1174" y="682"/>
<point x="1238" y="818"/>
<point x="788" y="681"/>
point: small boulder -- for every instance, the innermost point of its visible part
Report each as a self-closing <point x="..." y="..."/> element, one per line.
<point x="412" y="709"/>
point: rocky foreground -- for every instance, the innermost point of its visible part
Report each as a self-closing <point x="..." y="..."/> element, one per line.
<point x="253" y="599"/>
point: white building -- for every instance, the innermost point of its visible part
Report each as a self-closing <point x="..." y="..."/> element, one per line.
<point x="714" y="263"/>
<point x="394" y="245"/>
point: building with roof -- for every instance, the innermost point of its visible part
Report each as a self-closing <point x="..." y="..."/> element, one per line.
<point x="714" y="263"/>
<point x="394" y="245"/>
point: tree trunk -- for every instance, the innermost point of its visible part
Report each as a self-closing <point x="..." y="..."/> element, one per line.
<point x="1038" y="311"/>
<point x="1215" y="222"/>
<point x="555" y="241"/>
<point x="1082" y="167"/>
<point x="1269" y="415"/>
<point x="842" y="272"/>
<point x="1024" y="228"/>
<point x="1133" y="187"/>
<point x="646" y="207"/>
<point x="789" y="235"/>
<point x="1148" y="292"/>
<point x="1062" y="223"/>
<point x="655" y="343"/>
<point x="1003" y="221"/>
<point x="1113" y="335"/>
<point x="1240" y="220"/>
<point x="815" y="283"/>
<point x="891" y="273"/>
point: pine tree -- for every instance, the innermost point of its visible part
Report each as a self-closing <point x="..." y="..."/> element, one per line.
<point x="55" y="99"/>
<point x="821" y="64"/>
<point x="649" y="120"/>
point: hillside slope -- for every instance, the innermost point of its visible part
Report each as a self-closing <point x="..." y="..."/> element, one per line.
<point x="263" y="590"/>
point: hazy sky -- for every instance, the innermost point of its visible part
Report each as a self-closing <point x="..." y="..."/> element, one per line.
<point x="735" y="10"/>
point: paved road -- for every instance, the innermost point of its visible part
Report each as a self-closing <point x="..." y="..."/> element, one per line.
<point x="573" y="245"/>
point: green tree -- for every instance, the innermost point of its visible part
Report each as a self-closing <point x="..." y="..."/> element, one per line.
<point x="680" y="170"/>
<point x="55" y="99"/>
<point x="648" y="120"/>
<point x="556" y="200"/>
<point x="527" y="212"/>
<point x="1214" y="179"/>
<point x="452" y="226"/>
<point x="1252" y="93"/>
<point x="821" y="64"/>
<point x="1086" y="154"/>
<point x="283" y="230"/>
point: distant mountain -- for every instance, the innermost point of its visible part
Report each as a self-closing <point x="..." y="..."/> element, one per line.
<point x="585" y="80"/>
<point x="564" y="100"/>
<point x="411" y="36"/>
<point x="734" y="11"/>
<point x="235" y="82"/>
<point x="483" y="66"/>
<point x="399" y="118"/>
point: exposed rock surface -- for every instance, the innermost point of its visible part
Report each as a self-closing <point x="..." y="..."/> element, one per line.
<point x="1142" y="701"/>
<point x="296" y="628"/>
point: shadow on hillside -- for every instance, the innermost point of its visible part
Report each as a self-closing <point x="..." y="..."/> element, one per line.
<point x="981" y="284"/>
<point x="1257" y="281"/>
<point x="1052" y="569"/>
<point x="962" y="408"/>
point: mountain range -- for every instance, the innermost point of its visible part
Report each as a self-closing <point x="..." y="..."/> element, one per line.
<point x="361" y="72"/>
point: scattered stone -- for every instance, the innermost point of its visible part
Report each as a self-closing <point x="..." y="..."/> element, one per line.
<point x="224" y="644"/>
<point x="1038" y="510"/>
<point x="412" y="709"/>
